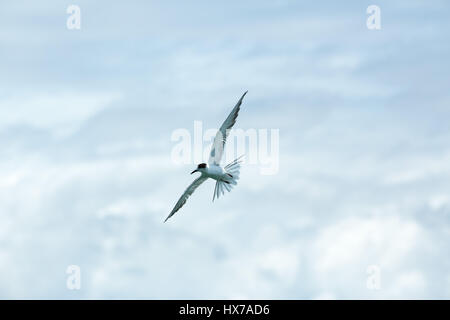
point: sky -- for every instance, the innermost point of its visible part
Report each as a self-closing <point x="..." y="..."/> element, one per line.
<point x="87" y="177"/>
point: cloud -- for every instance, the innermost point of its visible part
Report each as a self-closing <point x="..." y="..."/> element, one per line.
<point x="86" y="176"/>
<point x="59" y="112"/>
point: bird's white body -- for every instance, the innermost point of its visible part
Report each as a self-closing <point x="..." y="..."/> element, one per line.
<point x="214" y="172"/>
<point x="226" y="177"/>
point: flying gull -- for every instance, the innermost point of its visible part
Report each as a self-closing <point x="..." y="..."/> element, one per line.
<point x="226" y="177"/>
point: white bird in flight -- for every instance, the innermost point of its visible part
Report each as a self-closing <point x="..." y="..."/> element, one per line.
<point x="225" y="177"/>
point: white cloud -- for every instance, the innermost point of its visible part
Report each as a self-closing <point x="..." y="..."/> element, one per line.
<point x="59" y="112"/>
<point x="86" y="176"/>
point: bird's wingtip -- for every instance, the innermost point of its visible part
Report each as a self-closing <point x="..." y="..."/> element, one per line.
<point x="243" y="95"/>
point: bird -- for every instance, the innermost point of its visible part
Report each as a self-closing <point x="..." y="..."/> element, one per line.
<point x="226" y="177"/>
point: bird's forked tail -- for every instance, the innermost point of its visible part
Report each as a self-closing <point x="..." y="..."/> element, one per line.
<point x="232" y="176"/>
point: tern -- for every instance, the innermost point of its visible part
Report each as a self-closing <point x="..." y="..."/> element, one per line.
<point x="226" y="177"/>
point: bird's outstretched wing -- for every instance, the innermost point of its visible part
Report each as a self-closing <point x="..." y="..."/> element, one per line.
<point x="187" y="193"/>
<point x="222" y="134"/>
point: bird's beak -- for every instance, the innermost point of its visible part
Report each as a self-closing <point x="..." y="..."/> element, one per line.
<point x="194" y="171"/>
